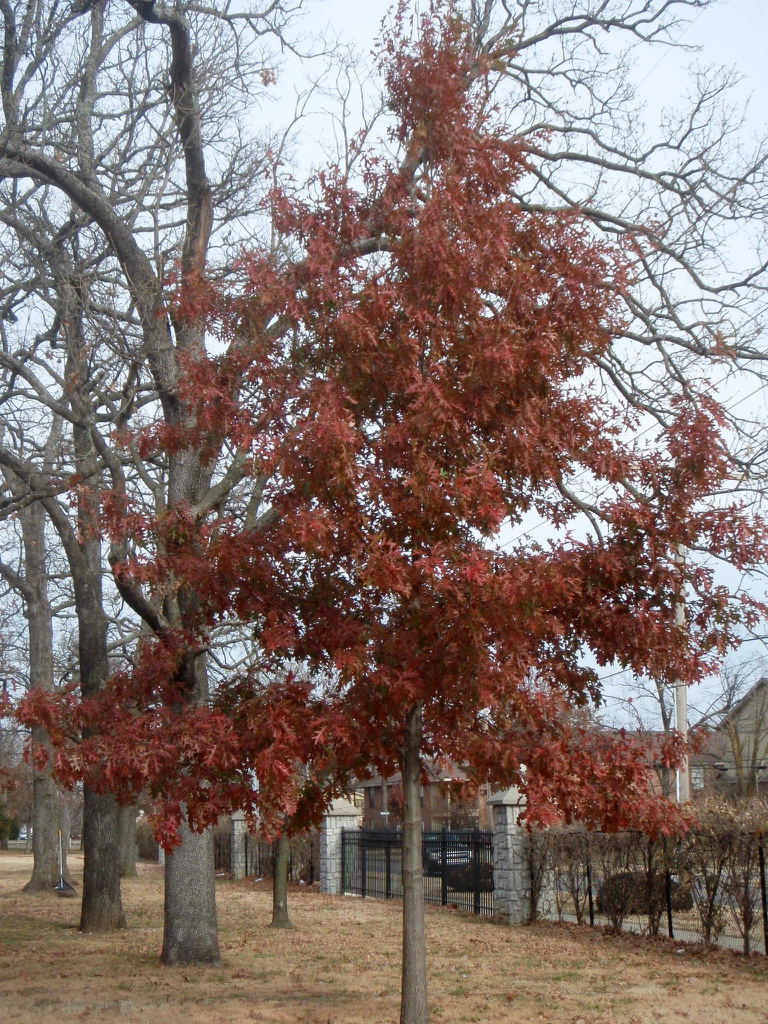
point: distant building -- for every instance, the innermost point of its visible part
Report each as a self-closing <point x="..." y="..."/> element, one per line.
<point x="738" y="748"/>
<point x="381" y="801"/>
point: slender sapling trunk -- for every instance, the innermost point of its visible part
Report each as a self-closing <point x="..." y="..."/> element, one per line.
<point x="282" y="850"/>
<point x="413" y="1006"/>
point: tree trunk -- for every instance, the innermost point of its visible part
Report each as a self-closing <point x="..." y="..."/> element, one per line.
<point x="46" y="805"/>
<point x="190" y="934"/>
<point x="282" y="851"/>
<point x="46" y="816"/>
<point x="102" y="909"/>
<point x="413" y="1004"/>
<point x="3" y="815"/>
<point x="126" y="831"/>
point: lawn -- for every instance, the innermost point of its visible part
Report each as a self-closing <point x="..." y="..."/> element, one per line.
<point x="340" y="965"/>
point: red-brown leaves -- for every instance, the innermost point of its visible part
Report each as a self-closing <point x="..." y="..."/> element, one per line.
<point x="422" y="372"/>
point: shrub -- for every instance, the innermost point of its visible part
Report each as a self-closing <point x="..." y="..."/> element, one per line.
<point x="145" y="841"/>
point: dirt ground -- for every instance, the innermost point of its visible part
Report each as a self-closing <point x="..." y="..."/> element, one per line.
<point x="340" y="965"/>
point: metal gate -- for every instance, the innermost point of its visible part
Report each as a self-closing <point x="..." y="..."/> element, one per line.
<point x="457" y="866"/>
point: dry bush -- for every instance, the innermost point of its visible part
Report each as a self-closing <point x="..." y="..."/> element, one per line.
<point x="722" y="854"/>
<point x="569" y="858"/>
<point x="540" y="845"/>
<point x="617" y="858"/>
<point x="145" y="841"/>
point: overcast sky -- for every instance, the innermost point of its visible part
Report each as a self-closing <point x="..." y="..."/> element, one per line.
<point x="732" y="33"/>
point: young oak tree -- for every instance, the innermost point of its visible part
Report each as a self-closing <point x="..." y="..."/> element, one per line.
<point x="442" y="351"/>
<point x="444" y="340"/>
<point x="450" y="385"/>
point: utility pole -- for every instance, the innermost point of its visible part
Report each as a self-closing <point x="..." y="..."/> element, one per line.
<point x="682" y="776"/>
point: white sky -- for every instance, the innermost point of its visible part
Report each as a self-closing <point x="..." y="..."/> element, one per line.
<point x="732" y="34"/>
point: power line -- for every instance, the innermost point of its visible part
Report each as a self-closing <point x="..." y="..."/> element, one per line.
<point x="666" y="53"/>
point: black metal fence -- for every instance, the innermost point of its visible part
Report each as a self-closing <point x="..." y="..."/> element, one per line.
<point x="709" y="886"/>
<point x="222" y="848"/>
<point x="457" y="866"/>
<point x="303" y="862"/>
<point x="303" y="858"/>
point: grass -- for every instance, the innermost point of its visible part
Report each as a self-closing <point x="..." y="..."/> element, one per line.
<point x="340" y="965"/>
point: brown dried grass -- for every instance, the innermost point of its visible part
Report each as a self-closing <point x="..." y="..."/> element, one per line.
<point x="340" y="965"/>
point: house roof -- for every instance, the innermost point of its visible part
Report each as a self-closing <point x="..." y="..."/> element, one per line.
<point x="435" y="772"/>
<point x="749" y="696"/>
<point x="708" y="754"/>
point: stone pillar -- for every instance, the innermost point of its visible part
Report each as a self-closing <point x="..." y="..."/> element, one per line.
<point x="511" y="859"/>
<point x="160" y="855"/>
<point x="238" y="845"/>
<point x="340" y="815"/>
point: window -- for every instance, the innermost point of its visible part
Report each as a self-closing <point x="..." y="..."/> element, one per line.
<point x="371" y="796"/>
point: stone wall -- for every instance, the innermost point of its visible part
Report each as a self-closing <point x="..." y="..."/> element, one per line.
<point x="511" y="859"/>
<point x="238" y="846"/>
<point x="341" y="814"/>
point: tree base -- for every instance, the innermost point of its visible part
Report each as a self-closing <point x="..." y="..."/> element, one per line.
<point x="280" y="924"/>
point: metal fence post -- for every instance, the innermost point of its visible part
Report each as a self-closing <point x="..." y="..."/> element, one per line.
<point x="476" y="862"/>
<point x="668" y="887"/>
<point x="363" y="851"/>
<point x="443" y="867"/>
<point x="389" y="866"/>
<point x="344" y="859"/>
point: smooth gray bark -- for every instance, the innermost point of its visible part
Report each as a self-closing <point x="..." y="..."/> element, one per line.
<point x="414" y="1008"/>
<point x="126" y="831"/>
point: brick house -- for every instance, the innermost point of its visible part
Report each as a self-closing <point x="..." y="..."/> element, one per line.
<point x="380" y="801"/>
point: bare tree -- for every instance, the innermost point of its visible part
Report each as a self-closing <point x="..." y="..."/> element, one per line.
<point x="108" y="112"/>
<point x="32" y="585"/>
<point x="51" y="264"/>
